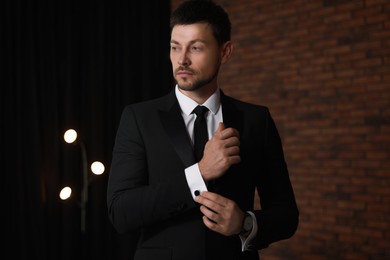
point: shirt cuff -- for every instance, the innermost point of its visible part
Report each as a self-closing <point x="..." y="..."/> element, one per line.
<point x="194" y="180"/>
<point x="246" y="240"/>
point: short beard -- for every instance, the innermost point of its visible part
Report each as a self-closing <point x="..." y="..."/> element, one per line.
<point x="198" y="84"/>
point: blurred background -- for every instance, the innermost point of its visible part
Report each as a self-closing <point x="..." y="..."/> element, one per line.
<point x="321" y="66"/>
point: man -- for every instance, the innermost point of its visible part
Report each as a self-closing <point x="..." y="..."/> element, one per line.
<point x="187" y="208"/>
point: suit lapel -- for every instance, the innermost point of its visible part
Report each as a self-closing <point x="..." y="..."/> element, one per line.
<point x="174" y="126"/>
<point x="232" y="117"/>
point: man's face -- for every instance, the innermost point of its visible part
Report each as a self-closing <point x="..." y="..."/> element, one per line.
<point x="195" y="56"/>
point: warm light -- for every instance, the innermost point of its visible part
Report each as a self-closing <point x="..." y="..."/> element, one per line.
<point x="97" y="168"/>
<point x="70" y="136"/>
<point x="65" y="193"/>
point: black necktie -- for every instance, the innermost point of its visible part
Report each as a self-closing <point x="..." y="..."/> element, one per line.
<point x="200" y="131"/>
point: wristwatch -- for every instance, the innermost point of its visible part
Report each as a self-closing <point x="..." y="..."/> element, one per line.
<point x="247" y="224"/>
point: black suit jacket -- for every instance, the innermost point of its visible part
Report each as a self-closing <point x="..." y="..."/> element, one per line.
<point x="148" y="193"/>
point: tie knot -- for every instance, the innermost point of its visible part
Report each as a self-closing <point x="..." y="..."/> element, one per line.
<point x="200" y="110"/>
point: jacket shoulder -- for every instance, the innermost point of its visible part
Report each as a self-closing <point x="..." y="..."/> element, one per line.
<point x="246" y="106"/>
<point x="162" y="102"/>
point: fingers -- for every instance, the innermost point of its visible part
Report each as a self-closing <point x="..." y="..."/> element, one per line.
<point x="231" y="142"/>
<point x="220" y="153"/>
<point x="230" y="139"/>
<point x="229" y="133"/>
<point x="211" y="200"/>
<point x="209" y="223"/>
<point x="219" y="213"/>
<point x="225" y="133"/>
<point x="212" y="207"/>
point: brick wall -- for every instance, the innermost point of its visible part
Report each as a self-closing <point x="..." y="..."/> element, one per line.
<point x="323" y="69"/>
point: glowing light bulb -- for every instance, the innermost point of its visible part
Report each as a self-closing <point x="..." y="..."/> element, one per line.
<point x="65" y="193"/>
<point x="70" y="136"/>
<point x="97" y="168"/>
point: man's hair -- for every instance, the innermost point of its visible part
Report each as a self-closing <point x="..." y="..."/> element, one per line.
<point x="203" y="11"/>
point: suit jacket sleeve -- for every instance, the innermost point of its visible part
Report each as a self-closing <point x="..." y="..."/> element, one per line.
<point x="133" y="202"/>
<point x="278" y="217"/>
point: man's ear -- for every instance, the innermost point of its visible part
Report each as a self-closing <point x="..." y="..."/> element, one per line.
<point x="226" y="52"/>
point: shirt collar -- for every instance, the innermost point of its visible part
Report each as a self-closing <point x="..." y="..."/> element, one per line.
<point x="187" y="105"/>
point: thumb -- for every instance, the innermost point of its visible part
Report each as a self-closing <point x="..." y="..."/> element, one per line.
<point x="221" y="126"/>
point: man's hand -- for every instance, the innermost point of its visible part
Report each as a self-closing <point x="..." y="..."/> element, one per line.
<point x="221" y="152"/>
<point x="220" y="214"/>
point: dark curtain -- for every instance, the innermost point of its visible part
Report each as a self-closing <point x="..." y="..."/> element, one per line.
<point x="71" y="64"/>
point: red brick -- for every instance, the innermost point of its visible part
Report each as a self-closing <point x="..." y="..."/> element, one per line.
<point x="323" y="70"/>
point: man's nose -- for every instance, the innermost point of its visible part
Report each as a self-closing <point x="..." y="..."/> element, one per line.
<point x="183" y="59"/>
